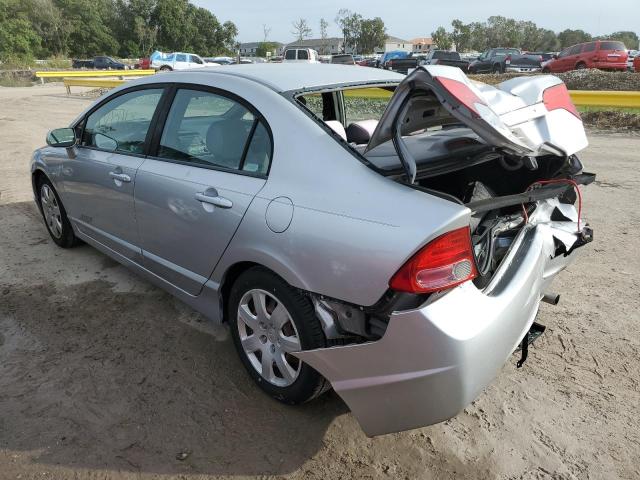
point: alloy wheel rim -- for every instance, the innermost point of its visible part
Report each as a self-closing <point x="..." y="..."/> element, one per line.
<point x="51" y="211"/>
<point x="269" y="337"/>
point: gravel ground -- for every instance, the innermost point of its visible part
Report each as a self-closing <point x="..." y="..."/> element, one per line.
<point x="104" y="376"/>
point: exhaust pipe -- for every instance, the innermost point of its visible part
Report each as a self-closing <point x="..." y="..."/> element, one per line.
<point x="551" y="298"/>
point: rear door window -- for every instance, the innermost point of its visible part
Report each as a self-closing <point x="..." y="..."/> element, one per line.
<point x="208" y="129"/>
<point x="290" y="55"/>
<point x="590" y="47"/>
<point x="612" y="46"/>
<point x="121" y="124"/>
<point x="303" y="55"/>
<point x="181" y="57"/>
<point x="575" y="50"/>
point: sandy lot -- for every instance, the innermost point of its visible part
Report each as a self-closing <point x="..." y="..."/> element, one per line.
<point x="104" y="376"/>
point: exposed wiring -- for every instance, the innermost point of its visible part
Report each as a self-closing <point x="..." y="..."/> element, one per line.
<point x="565" y="181"/>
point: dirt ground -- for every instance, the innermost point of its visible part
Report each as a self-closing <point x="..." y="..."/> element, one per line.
<point x="104" y="376"/>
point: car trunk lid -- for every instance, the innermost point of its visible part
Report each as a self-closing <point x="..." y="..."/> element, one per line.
<point x="515" y="116"/>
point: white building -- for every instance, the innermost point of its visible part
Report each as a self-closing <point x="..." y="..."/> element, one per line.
<point x="249" y="49"/>
<point x="324" y="46"/>
<point x="394" y="43"/>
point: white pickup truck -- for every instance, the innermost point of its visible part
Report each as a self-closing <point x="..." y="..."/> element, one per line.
<point x="178" y="61"/>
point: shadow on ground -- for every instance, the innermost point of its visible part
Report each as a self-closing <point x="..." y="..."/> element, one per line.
<point x="95" y="377"/>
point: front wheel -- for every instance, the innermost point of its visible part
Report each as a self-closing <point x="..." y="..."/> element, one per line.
<point x="165" y="68"/>
<point x="269" y="321"/>
<point x="55" y="216"/>
<point x="497" y="69"/>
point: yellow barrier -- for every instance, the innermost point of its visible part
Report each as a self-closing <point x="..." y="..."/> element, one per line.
<point x="92" y="73"/>
<point x="581" y="98"/>
<point x="92" y="82"/>
<point x="591" y="98"/>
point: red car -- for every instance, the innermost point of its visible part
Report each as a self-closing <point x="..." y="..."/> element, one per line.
<point x="636" y="64"/>
<point x="602" y="54"/>
<point x="144" y="63"/>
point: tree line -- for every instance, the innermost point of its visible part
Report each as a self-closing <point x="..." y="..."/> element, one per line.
<point x="500" y="31"/>
<point x="359" y="34"/>
<point x="124" y="28"/>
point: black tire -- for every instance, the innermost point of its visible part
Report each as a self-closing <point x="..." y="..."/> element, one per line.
<point x="546" y="70"/>
<point x="581" y="66"/>
<point x="66" y="238"/>
<point x="309" y="384"/>
<point x="497" y="69"/>
<point x="165" y="68"/>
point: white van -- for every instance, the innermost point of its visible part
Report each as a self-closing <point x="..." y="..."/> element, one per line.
<point x="179" y="61"/>
<point x="300" y="55"/>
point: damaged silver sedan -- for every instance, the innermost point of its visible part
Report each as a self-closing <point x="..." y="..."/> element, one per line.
<point x="396" y="253"/>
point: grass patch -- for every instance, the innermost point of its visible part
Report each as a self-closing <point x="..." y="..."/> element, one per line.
<point x="11" y="81"/>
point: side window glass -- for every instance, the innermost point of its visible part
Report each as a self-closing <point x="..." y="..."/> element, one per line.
<point x="121" y="125"/>
<point x="590" y="47"/>
<point x="564" y="53"/>
<point x="575" y="50"/>
<point x="196" y="59"/>
<point x="259" y="152"/>
<point x="303" y="55"/>
<point x="206" y="129"/>
<point x="181" y="57"/>
<point x="290" y="55"/>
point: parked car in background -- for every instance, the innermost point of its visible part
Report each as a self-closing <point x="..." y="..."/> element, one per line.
<point x="276" y="59"/>
<point x="636" y="64"/>
<point x="503" y="60"/>
<point x="178" y="61"/>
<point x="144" y="63"/>
<point x="368" y="62"/>
<point x="388" y="56"/>
<point x="343" y="59"/>
<point x="100" y="63"/>
<point x="545" y="56"/>
<point x="434" y="57"/>
<point x="631" y="56"/>
<point x="220" y="60"/>
<point x="601" y="54"/>
<point x="401" y="260"/>
<point x="300" y="55"/>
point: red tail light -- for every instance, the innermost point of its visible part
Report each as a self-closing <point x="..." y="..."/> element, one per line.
<point x="507" y="60"/>
<point x="445" y="262"/>
<point x="557" y="97"/>
<point x="462" y="93"/>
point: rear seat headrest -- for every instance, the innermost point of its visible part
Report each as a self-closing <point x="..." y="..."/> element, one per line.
<point x="360" y="132"/>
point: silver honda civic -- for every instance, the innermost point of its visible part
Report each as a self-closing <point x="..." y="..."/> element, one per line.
<point x="389" y="237"/>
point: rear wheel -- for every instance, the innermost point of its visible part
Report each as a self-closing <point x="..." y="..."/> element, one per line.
<point x="165" y="68"/>
<point x="581" y="66"/>
<point x="270" y="321"/>
<point x="497" y="69"/>
<point x="55" y="216"/>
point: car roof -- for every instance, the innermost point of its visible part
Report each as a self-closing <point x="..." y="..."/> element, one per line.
<point x="285" y="77"/>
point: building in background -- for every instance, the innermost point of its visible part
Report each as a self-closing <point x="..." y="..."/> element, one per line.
<point x="324" y="46"/>
<point x="249" y="49"/>
<point x="422" y="44"/>
<point x="394" y="43"/>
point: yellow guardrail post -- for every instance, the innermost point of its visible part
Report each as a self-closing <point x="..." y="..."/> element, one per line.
<point x="91" y="82"/>
<point x="92" y="73"/>
<point x="592" y="98"/>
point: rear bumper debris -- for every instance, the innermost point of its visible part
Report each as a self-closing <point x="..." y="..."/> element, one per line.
<point x="434" y="360"/>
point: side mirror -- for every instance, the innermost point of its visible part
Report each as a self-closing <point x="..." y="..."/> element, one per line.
<point x="61" y="137"/>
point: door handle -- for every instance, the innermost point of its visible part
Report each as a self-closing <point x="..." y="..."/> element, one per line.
<point x="123" y="177"/>
<point x="211" y="197"/>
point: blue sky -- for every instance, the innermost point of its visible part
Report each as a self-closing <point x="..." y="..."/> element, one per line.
<point x="417" y="19"/>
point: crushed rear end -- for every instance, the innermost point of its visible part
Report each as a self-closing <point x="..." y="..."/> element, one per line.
<point x="508" y="155"/>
